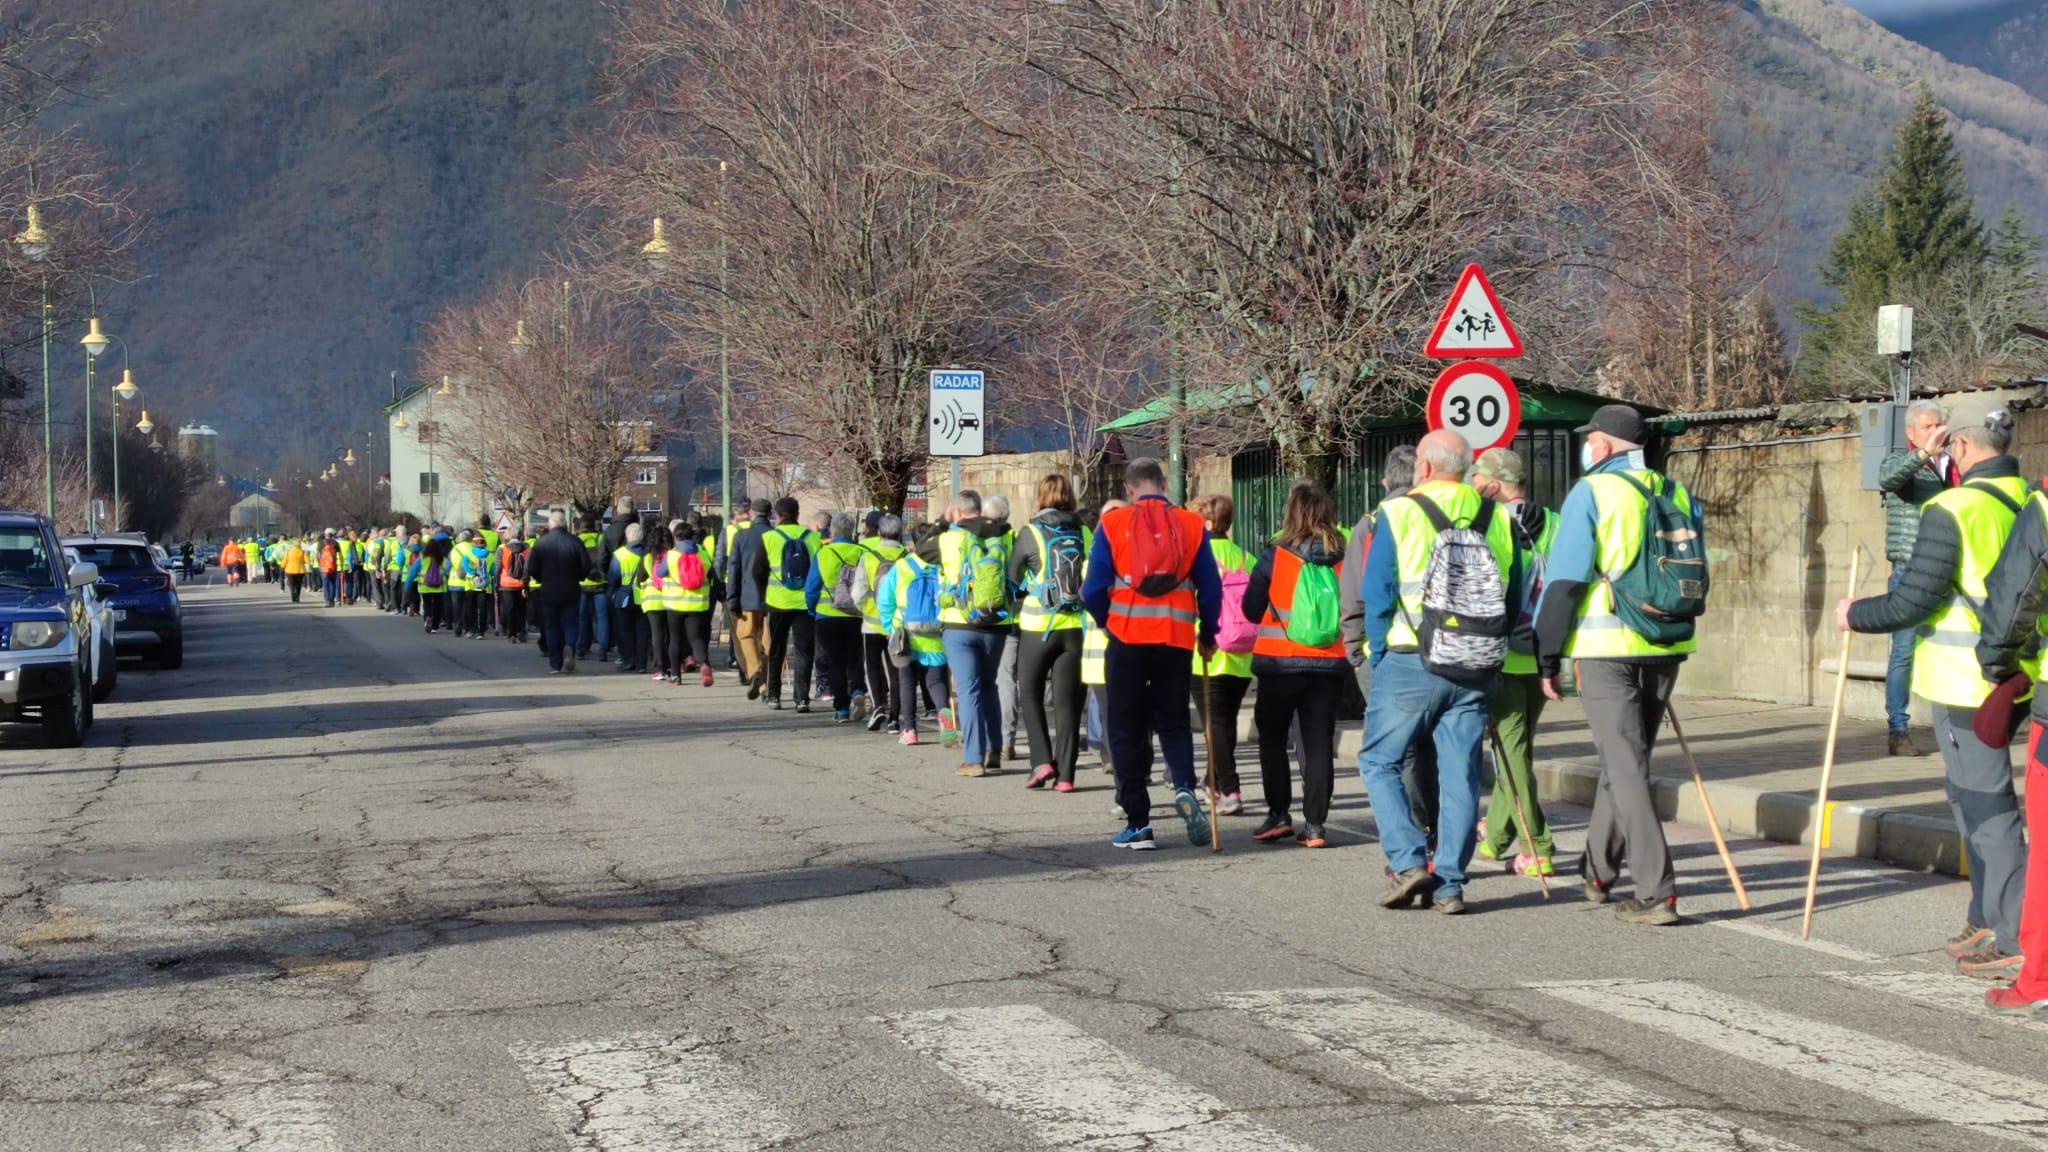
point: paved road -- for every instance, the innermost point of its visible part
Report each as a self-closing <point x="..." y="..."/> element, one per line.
<point x="338" y="885"/>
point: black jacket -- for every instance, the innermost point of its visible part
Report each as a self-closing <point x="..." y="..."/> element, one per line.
<point x="744" y="590"/>
<point x="1024" y="555"/>
<point x="2012" y="601"/>
<point x="1928" y="580"/>
<point x="558" y="562"/>
<point x="1258" y="596"/>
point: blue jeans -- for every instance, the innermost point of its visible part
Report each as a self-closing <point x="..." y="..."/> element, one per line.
<point x="597" y="622"/>
<point x="330" y="587"/>
<point x="973" y="658"/>
<point x="558" y="621"/>
<point x="1898" y="674"/>
<point x="1407" y="699"/>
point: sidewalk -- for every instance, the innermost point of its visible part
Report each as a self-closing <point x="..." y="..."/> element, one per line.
<point x="1761" y="764"/>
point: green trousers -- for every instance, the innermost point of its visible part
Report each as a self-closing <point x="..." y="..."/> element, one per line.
<point x="1517" y="705"/>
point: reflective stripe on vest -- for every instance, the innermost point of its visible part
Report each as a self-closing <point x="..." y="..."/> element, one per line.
<point x="841" y="554"/>
<point x="1094" y="654"/>
<point x="629" y="568"/>
<point x="1404" y="525"/>
<point x="1945" y="667"/>
<point x="1618" y="538"/>
<point x="1273" y="639"/>
<point x="1170" y="619"/>
<point x="589" y="540"/>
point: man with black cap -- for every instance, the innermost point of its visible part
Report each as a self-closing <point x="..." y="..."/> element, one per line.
<point x="746" y="599"/>
<point x="1625" y="678"/>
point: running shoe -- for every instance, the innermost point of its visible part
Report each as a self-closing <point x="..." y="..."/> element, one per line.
<point x="1274" y="828"/>
<point x="949" y="735"/>
<point x="1310" y="836"/>
<point x="1528" y="865"/>
<point x="1136" y="839"/>
<point x="1188" y="807"/>
<point x="1656" y="913"/>
<point x="1992" y="965"/>
<point x="1968" y="942"/>
<point x="1486" y="851"/>
<point x="842" y="716"/>
<point x="1230" y="804"/>
<point x="907" y="739"/>
<point x="876" y="720"/>
<point x="707" y="677"/>
<point x="1064" y="786"/>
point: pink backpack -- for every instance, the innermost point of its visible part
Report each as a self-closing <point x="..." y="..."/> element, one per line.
<point x="1234" y="633"/>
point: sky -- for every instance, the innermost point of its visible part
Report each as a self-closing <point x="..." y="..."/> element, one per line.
<point x="1906" y="9"/>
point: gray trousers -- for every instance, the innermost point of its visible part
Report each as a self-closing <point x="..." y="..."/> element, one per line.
<point x="1006" y="692"/>
<point x="1988" y="818"/>
<point x="1624" y="705"/>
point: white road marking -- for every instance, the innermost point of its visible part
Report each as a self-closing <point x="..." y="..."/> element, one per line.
<point x="1549" y="1100"/>
<point x="1941" y="989"/>
<point x="650" y="1092"/>
<point x="1787" y="936"/>
<point x="1895" y="1075"/>
<point x="1074" y="1090"/>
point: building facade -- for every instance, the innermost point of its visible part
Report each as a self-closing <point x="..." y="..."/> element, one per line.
<point x="427" y="480"/>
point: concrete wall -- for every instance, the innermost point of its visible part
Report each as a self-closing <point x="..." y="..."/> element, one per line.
<point x="1016" y="476"/>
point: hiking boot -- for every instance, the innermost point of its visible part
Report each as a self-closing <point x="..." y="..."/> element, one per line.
<point x="1274" y="828"/>
<point x="1967" y="943"/>
<point x="1991" y="965"/>
<point x="971" y="769"/>
<point x="1659" y="913"/>
<point x="1136" y="839"/>
<point x="1188" y="807"/>
<point x="1404" y="887"/>
<point x="1041" y="776"/>
<point x="1452" y="905"/>
<point x="2012" y="1002"/>
<point x="1230" y="804"/>
<point x="1596" y="892"/>
<point x="1901" y="744"/>
<point x="1310" y="836"/>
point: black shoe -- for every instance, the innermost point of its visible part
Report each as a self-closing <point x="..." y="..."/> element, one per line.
<point x="753" y="691"/>
<point x="1660" y="913"/>
<point x="1274" y="828"/>
<point x="1900" y="744"/>
<point x="1450" y="905"/>
<point x="1404" y="887"/>
<point x="803" y="707"/>
<point x="774" y="705"/>
<point x="876" y="720"/>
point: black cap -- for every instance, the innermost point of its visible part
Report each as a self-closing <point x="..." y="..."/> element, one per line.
<point x="1617" y="420"/>
<point x="873" y="520"/>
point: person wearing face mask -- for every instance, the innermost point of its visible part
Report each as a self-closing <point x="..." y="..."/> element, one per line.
<point x="1625" y="679"/>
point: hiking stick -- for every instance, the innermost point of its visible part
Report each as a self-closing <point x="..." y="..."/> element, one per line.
<point x="1827" y="765"/>
<point x="1500" y="773"/>
<point x="1209" y="749"/>
<point x="1713" y="822"/>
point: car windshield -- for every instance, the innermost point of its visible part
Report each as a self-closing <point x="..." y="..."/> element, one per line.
<point x="113" y="558"/>
<point x="24" y="561"/>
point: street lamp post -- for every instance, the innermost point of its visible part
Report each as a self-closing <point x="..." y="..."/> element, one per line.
<point x="95" y="343"/>
<point x="125" y="390"/>
<point x="657" y="251"/>
<point x="35" y="244"/>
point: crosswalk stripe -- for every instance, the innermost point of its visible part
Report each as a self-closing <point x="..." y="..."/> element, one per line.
<point x="1900" y="1077"/>
<point x="1788" y="936"/>
<point x="1941" y="989"/>
<point x="1074" y="1090"/>
<point x="648" y="1092"/>
<point x="1550" y="1100"/>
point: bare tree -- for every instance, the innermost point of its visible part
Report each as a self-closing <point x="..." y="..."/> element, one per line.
<point x="837" y="223"/>
<point x="547" y="394"/>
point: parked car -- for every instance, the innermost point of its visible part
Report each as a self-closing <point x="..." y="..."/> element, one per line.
<point x="106" y="663"/>
<point x="48" y="646"/>
<point x="148" y="620"/>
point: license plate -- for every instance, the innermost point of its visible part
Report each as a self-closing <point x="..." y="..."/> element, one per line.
<point x="120" y="614"/>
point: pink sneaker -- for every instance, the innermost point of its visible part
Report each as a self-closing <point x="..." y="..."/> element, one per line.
<point x="908" y="738"/>
<point x="1531" y="866"/>
<point x="1064" y="786"/>
<point x="1041" y="777"/>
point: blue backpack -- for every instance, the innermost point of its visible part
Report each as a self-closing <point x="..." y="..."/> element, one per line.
<point x="921" y="601"/>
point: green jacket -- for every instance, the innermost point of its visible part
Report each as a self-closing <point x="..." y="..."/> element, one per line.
<point x="1907" y="482"/>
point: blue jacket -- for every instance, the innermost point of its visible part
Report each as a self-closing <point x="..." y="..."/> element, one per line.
<point x="814" y="585"/>
<point x="1102" y="577"/>
<point x="1570" y="566"/>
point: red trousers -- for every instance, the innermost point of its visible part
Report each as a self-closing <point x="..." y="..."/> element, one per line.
<point x="2033" y="978"/>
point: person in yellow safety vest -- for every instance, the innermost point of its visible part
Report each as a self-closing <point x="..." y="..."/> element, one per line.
<point x="1422" y="690"/>
<point x="1499" y="475"/>
<point x="1229" y="673"/>
<point x="884" y="547"/>
<point x="997" y="508"/>
<point x="1095" y="667"/>
<point x="1048" y="564"/>
<point x="1624" y="677"/>
<point x="783" y="565"/>
<point x="599" y="615"/>
<point x="461" y="583"/>
<point x="837" y="627"/>
<point x="691" y="605"/>
<point x="1940" y="593"/>
<point x="628" y="589"/>
<point x="481" y="597"/>
<point x="664" y="628"/>
<point x="919" y="658"/>
<point x="487" y="534"/>
<point x="395" y="559"/>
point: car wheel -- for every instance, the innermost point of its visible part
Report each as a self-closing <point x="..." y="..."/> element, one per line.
<point x="172" y="654"/>
<point x="64" y="726"/>
<point x="110" y="674"/>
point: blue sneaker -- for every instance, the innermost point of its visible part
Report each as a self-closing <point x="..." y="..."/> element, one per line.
<point x="842" y="716"/>
<point x="1137" y="839"/>
<point x="1188" y="807"/>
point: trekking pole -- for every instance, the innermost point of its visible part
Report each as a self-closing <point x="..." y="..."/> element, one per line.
<point x="1209" y="749"/>
<point x="1500" y="773"/>
<point x="1827" y="764"/>
<point x="1713" y="822"/>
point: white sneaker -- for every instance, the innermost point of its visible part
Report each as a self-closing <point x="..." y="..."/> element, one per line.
<point x="1230" y="804"/>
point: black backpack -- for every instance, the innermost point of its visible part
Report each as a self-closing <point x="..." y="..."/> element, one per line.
<point x="796" y="560"/>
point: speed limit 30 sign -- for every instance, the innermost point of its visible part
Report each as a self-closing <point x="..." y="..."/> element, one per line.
<point x="1477" y="401"/>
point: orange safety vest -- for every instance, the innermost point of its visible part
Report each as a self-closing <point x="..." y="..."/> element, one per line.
<point x="1272" y="639"/>
<point x="327" y="552"/>
<point x="1170" y="619"/>
<point x="230" y="553"/>
<point x="505" y="578"/>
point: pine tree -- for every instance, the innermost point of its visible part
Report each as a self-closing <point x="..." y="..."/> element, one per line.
<point x="1916" y="224"/>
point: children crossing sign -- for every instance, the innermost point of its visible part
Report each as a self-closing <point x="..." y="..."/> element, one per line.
<point x="958" y="398"/>
<point x="1473" y="324"/>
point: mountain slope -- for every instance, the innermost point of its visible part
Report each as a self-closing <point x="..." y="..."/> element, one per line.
<point x="2009" y="41"/>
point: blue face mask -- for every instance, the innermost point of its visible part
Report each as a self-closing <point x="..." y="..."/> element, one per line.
<point x="1586" y="460"/>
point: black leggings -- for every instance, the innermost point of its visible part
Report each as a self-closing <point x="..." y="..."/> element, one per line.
<point x="1056" y="657"/>
<point x="907" y="679"/>
<point x="665" y="629"/>
<point x="839" y="644"/>
<point x="434" y="606"/>
<point x="1312" y="698"/>
<point x="1228" y="692"/>
<point x="693" y="636"/>
<point x="881" y="681"/>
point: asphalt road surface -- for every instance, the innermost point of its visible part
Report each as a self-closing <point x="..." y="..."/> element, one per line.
<point x="339" y="885"/>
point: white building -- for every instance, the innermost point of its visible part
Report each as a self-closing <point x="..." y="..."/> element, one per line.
<point x="427" y="481"/>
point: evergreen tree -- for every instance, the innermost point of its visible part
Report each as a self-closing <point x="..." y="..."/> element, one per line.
<point x="1915" y="225"/>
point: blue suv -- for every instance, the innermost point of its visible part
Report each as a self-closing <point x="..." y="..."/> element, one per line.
<point x="47" y="643"/>
<point x="148" y="620"/>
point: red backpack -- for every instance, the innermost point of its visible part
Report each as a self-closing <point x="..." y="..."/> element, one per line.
<point x="1157" y="557"/>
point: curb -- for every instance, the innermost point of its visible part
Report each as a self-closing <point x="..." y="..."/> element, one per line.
<point x="1905" y="839"/>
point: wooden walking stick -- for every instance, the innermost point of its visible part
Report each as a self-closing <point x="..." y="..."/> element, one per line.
<point x="1500" y="773"/>
<point x="1706" y="806"/>
<point x="1827" y="764"/>
<point x="1209" y="749"/>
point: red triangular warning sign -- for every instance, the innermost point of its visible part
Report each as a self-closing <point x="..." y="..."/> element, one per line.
<point x="1473" y="324"/>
